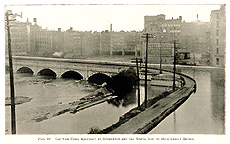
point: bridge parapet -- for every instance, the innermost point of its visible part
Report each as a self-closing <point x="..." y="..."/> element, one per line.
<point x="60" y="66"/>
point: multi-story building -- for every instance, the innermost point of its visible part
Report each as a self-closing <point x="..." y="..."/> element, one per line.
<point x="120" y="43"/>
<point x="218" y="37"/>
<point x="19" y="37"/>
<point x="163" y="33"/>
<point x="57" y="40"/>
<point x="40" y="40"/>
<point x="69" y="45"/>
<point x="193" y="39"/>
<point x="105" y="43"/>
<point x="81" y="43"/>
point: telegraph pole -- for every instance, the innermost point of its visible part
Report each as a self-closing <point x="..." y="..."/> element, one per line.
<point x="138" y="84"/>
<point x="160" y="59"/>
<point x="161" y="56"/>
<point x="174" y="66"/>
<point x="12" y="97"/>
<point x="147" y="36"/>
<point x="13" y="117"/>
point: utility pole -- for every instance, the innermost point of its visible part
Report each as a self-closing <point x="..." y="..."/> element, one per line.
<point x="138" y="84"/>
<point x="13" y="117"/>
<point x="174" y="66"/>
<point x="12" y="94"/>
<point x="161" y="56"/>
<point x="160" y="59"/>
<point x="138" y="60"/>
<point x="147" y="36"/>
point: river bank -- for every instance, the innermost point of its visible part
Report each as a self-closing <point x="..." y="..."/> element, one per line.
<point x="145" y="121"/>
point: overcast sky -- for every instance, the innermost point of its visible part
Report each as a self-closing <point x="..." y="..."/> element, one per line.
<point x="99" y="17"/>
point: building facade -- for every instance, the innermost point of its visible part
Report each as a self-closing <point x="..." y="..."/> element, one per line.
<point x="19" y="38"/>
<point x="204" y="41"/>
<point x="218" y="37"/>
<point x="163" y="34"/>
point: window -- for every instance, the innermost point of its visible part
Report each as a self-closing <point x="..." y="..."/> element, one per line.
<point x="217" y="41"/>
<point x="217" y="61"/>
<point x="217" y="32"/>
<point x="217" y="50"/>
<point x="217" y="24"/>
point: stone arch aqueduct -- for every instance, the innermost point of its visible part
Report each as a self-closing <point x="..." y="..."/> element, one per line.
<point x="85" y="68"/>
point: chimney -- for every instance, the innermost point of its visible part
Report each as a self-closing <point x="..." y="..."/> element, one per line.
<point x="71" y="28"/>
<point x="111" y="27"/>
<point x="180" y="17"/>
<point x="35" y="21"/>
<point x="59" y="29"/>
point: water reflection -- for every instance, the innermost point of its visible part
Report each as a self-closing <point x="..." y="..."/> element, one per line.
<point x="204" y="111"/>
<point x="125" y="100"/>
<point x="218" y="96"/>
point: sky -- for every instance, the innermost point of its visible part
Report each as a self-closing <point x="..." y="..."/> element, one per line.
<point x="98" y="17"/>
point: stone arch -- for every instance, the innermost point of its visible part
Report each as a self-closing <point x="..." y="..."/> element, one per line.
<point x="72" y="75"/>
<point x="99" y="78"/>
<point x="25" y="70"/>
<point x="47" y="72"/>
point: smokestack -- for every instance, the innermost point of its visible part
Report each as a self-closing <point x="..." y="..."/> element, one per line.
<point x="111" y="27"/>
<point x="35" y="21"/>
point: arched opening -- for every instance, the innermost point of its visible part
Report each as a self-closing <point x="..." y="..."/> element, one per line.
<point x="99" y="78"/>
<point x="72" y="75"/>
<point x="47" y="72"/>
<point x="25" y="70"/>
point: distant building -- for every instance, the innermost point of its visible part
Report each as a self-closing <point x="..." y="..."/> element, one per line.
<point x="120" y="43"/>
<point x="193" y="39"/>
<point x="19" y="38"/>
<point x="57" y="40"/>
<point x="69" y="44"/>
<point x="105" y="44"/>
<point x="81" y="43"/>
<point x="163" y="33"/>
<point x="40" y="40"/>
<point x="218" y="37"/>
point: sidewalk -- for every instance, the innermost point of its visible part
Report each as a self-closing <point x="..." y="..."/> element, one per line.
<point x="148" y="119"/>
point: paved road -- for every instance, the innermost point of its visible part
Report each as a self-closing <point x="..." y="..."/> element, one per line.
<point x="146" y="120"/>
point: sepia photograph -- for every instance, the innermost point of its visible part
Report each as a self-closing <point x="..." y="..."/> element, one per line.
<point x="97" y="72"/>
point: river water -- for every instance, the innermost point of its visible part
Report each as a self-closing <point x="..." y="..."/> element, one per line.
<point x="204" y="111"/>
<point x="53" y="92"/>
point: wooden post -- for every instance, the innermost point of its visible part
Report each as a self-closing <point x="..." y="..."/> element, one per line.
<point x="13" y="117"/>
<point x="174" y="67"/>
<point x="138" y="85"/>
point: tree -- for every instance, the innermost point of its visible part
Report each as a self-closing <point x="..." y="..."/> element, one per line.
<point x="123" y="82"/>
